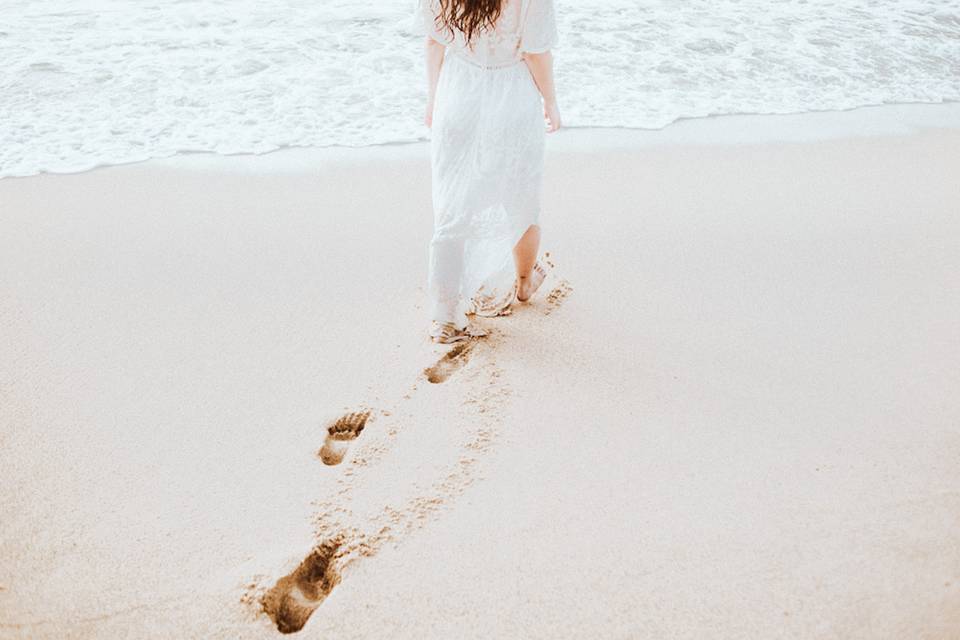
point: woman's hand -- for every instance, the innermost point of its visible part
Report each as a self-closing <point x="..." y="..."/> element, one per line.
<point x="551" y="114"/>
<point x="541" y="68"/>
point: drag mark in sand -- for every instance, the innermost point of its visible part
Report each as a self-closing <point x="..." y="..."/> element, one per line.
<point x="450" y="363"/>
<point x="339" y="436"/>
<point x="557" y="296"/>
<point x="295" y="597"/>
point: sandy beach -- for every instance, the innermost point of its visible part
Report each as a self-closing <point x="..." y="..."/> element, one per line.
<point x="733" y="410"/>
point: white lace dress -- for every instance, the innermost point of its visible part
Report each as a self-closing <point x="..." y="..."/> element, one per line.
<point x="487" y="148"/>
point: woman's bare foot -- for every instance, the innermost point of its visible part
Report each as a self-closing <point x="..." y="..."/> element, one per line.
<point x="528" y="286"/>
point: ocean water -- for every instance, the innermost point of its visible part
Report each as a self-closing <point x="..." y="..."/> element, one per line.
<point x="92" y="82"/>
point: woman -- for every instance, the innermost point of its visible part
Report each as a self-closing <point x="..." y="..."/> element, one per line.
<point x="490" y="79"/>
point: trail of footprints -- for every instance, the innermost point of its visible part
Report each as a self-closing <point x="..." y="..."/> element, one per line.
<point x="345" y="429"/>
<point x="294" y="597"/>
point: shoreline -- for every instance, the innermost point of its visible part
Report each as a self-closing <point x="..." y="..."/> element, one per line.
<point x="731" y="411"/>
<point x="804" y="126"/>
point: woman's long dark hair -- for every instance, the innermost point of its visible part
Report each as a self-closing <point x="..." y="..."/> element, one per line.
<point x="469" y="16"/>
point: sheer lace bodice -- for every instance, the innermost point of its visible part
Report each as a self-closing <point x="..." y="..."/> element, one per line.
<point x="523" y="25"/>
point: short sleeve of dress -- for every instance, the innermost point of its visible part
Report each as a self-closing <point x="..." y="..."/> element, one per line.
<point x="420" y="21"/>
<point x="423" y="22"/>
<point x="539" y="31"/>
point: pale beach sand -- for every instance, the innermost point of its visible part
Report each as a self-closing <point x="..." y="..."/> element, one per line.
<point x="732" y="412"/>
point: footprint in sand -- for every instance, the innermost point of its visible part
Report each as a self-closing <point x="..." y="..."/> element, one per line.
<point x="558" y="296"/>
<point x="450" y="363"/>
<point x="340" y="434"/>
<point x="295" y="597"/>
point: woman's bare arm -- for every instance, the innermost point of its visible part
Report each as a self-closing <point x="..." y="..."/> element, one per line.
<point x="541" y="67"/>
<point x="434" y="53"/>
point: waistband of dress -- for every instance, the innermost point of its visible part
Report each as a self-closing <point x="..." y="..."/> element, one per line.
<point x="505" y="65"/>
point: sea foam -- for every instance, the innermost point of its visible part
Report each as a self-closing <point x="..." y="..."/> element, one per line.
<point x="93" y="82"/>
